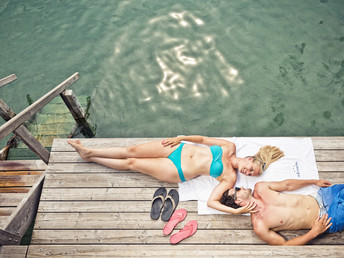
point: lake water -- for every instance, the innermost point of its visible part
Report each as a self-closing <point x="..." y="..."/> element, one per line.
<point x="163" y="68"/>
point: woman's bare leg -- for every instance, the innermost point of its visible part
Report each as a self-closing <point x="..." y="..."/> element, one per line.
<point x="152" y="149"/>
<point x="160" y="168"/>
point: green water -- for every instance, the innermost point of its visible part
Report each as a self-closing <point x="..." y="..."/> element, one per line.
<point x="162" y="68"/>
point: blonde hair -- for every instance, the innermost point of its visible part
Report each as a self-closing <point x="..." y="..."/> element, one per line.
<point x="266" y="155"/>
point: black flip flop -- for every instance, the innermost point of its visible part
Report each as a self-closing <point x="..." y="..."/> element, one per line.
<point x="158" y="202"/>
<point x="171" y="202"/>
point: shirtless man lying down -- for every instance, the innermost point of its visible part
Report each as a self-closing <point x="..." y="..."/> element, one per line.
<point x="278" y="211"/>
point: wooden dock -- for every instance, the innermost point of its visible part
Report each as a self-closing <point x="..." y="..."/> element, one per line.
<point x="90" y="210"/>
<point x="20" y="188"/>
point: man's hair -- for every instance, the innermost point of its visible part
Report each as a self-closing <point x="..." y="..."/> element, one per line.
<point x="228" y="200"/>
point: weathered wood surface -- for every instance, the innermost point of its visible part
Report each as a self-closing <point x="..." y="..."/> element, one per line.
<point x="24" y="115"/>
<point x="77" y="112"/>
<point x="9" y="238"/>
<point x="19" y="197"/>
<point x="24" y="134"/>
<point x="19" y="165"/>
<point x="8" y="79"/>
<point x="88" y="209"/>
<point x="184" y="251"/>
<point x="13" y="251"/>
<point x="20" y="220"/>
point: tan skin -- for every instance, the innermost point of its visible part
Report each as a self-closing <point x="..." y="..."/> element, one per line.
<point x="277" y="211"/>
<point x="152" y="159"/>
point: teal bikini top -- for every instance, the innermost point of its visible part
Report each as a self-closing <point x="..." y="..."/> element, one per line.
<point x="216" y="166"/>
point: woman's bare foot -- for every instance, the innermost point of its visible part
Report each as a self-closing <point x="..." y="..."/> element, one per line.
<point x="81" y="149"/>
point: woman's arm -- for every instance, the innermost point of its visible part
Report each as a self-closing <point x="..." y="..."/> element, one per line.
<point x="196" y="139"/>
<point x="214" y="199"/>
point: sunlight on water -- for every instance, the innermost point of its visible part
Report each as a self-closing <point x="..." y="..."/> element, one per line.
<point x="181" y="58"/>
<point x="162" y="68"/>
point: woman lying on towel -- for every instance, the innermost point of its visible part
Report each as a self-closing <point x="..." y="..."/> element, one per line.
<point x="173" y="161"/>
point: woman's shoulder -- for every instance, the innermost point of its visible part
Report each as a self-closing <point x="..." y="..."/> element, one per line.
<point x="229" y="146"/>
<point x="229" y="178"/>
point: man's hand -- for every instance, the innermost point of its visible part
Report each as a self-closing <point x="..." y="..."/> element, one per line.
<point x="320" y="225"/>
<point x="323" y="183"/>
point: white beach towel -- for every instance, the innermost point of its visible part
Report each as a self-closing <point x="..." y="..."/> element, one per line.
<point x="298" y="163"/>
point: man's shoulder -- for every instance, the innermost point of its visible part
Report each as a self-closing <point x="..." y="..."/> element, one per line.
<point x="259" y="225"/>
<point x="261" y="186"/>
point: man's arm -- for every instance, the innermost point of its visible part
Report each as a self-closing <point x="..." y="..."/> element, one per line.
<point x="294" y="184"/>
<point x="320" y="225"/>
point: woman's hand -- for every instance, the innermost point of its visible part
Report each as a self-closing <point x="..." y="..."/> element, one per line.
<point x="170" y="142"/>
<point x="323" y="183"/>
<point x="250" y="207"/>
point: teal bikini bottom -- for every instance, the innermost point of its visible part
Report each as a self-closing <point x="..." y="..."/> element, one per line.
<point x="216" y="166"/>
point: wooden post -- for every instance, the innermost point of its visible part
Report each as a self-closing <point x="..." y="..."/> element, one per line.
<point x="24" y="115"/>
<point x="24" y="134"/>
<point x="7" y="79"/>
<point x="7" y="238"/>
<point x="21" y="218"/>
<point x="77" y="112"/>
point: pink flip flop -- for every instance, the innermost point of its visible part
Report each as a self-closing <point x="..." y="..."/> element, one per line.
<point x="178" y="216"/>
<point x="189" y="229"/>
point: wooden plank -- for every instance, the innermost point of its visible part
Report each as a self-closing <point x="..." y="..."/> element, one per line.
<point x="20" y="173"/>
<point x="118" y="179"/>
<point x="329" y="155"/>
<point x="24" y="134"/>
<point x="6" y="211"/>
<point x="21" y="218"/>
<point x="62" y="192"/>
<point x="26" y="180"/>
<point x="77" y="112"/>
<point x="140" y="220"/>
<point x="98" y="194"/>
<point x="182" y="250"/>
<point x="106" y="206"/>
<point x="77" y="168"/>
<point x="13" y="251"/>
<point x="8" y="238"/>
<point x="334" y="178"/>
<point x="333" y="143"/>
<point x="11" y="199"/>
<point x="8" y="79"/>
<point x="9" y="165"/>
<point x="132" y="179"/>
<point x="3" y="220"/>
<point x="330" y="166"/>
<point x="138" y="236"/>
<point x="15" y="189"/>
<point x="24" y="115"/>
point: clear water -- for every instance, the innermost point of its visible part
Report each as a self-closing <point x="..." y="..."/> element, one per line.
<point x="163" y="68"/>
